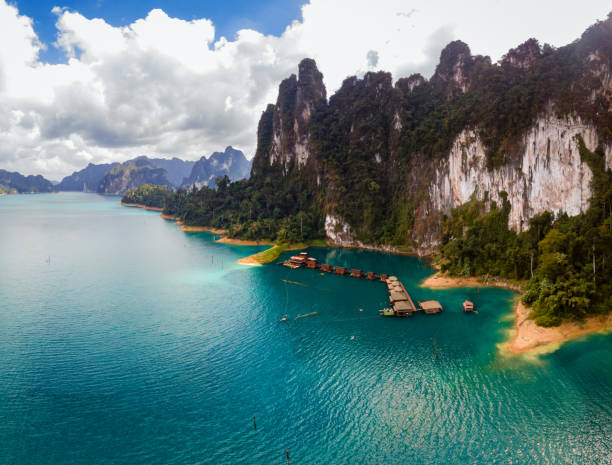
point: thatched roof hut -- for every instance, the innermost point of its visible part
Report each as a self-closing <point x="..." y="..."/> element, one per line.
<point x="402" y="307"/>
<point x="397" y="296"/>
<point x="430" y="306"/>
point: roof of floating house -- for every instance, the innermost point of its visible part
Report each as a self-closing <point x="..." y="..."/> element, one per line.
<point x="397" y="296"/>
<point x="430" y="305"/>
<point x="402" y="306"/>
<point x="392" y="278"/>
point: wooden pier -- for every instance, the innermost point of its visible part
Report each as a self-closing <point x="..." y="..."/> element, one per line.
<point x="401" y="304"/>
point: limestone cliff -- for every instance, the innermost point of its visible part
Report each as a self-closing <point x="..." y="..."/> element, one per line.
<point x="284" y="129"/>
<point x="390" y="160"/>
<point x="548" y="176"/>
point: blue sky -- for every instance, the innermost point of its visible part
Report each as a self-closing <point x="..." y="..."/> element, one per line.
<point x="228" y="16"/>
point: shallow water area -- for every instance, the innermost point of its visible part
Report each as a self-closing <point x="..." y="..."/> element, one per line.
<point x="124" y="340"/>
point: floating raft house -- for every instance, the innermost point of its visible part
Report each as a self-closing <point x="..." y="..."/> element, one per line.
<point x="403" y="308"/>
<point x="468" y="306"/>
<point x="430" y="306"/>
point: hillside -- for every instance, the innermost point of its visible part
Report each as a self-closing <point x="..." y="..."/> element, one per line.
<point x="231" y="163"/>
<point x="13" y="182"/>
<point x="86" y="180"/>
<point x="176" y="168"/>
<point x="131" y="174"/>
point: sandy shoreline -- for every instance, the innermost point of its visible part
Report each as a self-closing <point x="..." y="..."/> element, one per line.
<point x="526" y="334"/>
<point x="145" y="207"/>
<point x="439" y="281"/>
<point x="184" y="227"/>
<point x="169" y="217"/>
<point x="249" y="261"/>
<point x="229" y="240"/>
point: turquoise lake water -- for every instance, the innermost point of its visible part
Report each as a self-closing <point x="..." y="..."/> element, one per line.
<point x="124" y="340"/>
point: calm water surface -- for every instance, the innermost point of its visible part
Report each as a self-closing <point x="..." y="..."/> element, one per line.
<point x="124" y="340"/>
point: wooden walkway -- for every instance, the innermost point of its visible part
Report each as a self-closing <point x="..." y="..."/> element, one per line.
<point x="400" y="301"/>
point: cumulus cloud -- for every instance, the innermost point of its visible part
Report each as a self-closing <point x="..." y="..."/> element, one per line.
<point x="166" y="86"/>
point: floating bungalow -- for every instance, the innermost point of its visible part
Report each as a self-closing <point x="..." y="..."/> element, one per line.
<point x="430" y="306"/>
<point x="468" y="306"/>
<point x="356" y="273"/>
<point x="371" y="276"/>
<point x="296" y="261"/>
<point x="327" y="268"/>
<point x="396" y="296"/>
<point x="311" y="263"/>
<point x="403" y="308"/>
<point x="384" y="277"/>
<point x="340" y="270"/>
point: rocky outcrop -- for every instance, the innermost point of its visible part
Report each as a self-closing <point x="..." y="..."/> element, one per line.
<point x="524" y="56"/>
<point x="340" y="234"/>
<point x="132" y="174"/>
<point x="407" y="85"/>
<point x="231" y="163"/>
<point x="549" y="176"/>
<point x="284" y="130"/>
<point x="452" y="73"/>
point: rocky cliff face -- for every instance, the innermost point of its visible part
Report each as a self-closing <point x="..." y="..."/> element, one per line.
<point x="284" y="131"/>
<point x="548" y="176"/>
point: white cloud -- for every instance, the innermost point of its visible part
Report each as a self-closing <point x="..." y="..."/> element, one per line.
<point x="169" y="87"/>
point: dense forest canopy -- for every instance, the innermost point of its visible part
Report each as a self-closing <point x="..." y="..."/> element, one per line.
<point x="149" y="195"/>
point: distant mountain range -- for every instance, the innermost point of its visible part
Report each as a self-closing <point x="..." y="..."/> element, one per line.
<point x="116" y="178"/>
<point x="15" y="183"/>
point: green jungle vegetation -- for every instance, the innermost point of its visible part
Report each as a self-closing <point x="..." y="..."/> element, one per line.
<point x="277" y="209"/>
<point x="148" y="195"/>
<point x="567" y="260"/>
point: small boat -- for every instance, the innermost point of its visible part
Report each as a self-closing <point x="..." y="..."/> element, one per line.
<point x="284" y="318"/>
<point x="468" y="306"/>
<point x="386" y="312"/>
